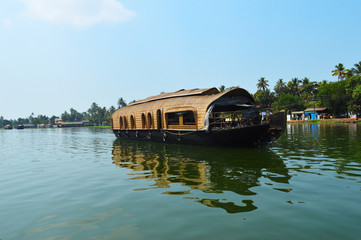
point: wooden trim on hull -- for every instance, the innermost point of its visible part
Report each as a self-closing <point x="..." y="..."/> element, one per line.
<point x="241" y="137"/>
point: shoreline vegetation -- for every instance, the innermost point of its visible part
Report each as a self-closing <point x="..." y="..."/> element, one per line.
<point x="342" y="98"/>
<point x="101" y="127"/>
<point x="326" y="121"/>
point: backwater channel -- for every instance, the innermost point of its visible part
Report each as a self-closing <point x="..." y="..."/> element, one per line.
<point x="82" y="183"/>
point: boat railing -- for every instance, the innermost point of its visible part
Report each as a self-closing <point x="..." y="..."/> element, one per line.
<point x="228" y="120"/>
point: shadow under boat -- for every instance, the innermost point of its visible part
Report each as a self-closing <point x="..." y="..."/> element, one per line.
<point x="200" y="168"/>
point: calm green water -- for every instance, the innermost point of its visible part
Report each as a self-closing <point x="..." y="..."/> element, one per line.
<point x="83" y="184"/>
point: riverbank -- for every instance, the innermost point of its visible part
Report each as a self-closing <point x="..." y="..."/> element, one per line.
<point x="325" y="121"/>
<point x="63" y="127"/>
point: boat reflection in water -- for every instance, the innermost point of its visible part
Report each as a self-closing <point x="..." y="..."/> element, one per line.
<point x="224" y="178"/>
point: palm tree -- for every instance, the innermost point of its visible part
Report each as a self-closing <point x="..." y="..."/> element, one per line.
<point x="121" y="103"/>
<point x="222" y="88"/>
<point x="357" y="69"/>
<point x="293" y="86"/>
<point x="340" y="71"/>
<point x="323" y="82"/>
<point x="262" y="84"/>
<point x="350" y="73"/>
<point x="305" y="82"/>
<point x="280" y="88"/>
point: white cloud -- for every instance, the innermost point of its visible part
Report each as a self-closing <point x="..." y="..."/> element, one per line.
<point x="77" y="12"/>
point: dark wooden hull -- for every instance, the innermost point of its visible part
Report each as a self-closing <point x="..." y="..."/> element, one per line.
<point x="251" y="136"/>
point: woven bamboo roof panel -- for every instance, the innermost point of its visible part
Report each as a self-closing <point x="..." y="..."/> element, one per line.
<point x="179" y="93"/>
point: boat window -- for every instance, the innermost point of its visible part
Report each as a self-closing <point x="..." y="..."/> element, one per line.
<point x="234" y="116"/>
<point x="150" y="122"/>
<point x="188" y="118"/>
<point x="125" y="123"/>
<point x="181" y="120"/>
<point x="159" y="119"/>
<point x="132" y="122"/>
<point x="173" y="119"/>
<point x="121" y="122"/>
<point x="144" y="123"/>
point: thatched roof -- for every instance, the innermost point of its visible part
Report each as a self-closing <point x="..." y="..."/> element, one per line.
<point x="196" y="100"/>
<point x="179" y="93"/>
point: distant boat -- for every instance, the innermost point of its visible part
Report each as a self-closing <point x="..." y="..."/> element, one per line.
<point x="8" y="127"/>
<point x="20" y="126"/>
<point x="199" y="117"/>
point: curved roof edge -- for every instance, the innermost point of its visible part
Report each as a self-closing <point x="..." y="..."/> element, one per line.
<point x="237" y="92"/>
<point x="179" y="93"/>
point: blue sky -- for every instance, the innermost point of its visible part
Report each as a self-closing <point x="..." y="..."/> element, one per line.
<point x="58" y="54"/>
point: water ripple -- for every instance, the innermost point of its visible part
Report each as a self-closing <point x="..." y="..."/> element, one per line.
<point x="83" y="184"/>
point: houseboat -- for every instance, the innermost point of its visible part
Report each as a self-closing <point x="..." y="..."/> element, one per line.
<point x="199" y="117"/>
<point x="8" y="127"/>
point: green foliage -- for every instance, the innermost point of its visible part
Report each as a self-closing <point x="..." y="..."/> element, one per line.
<point x="333" y="96"/>
<point x="293" y="86"/>
<point x="264" y="98"/>
<point x="339" y="97"/>
<point x="289" y="102"/>
<point x="100" y="115"/>
<point x="4" y="122"/>
<point x="95" y="114"/>
<point x="357" y="69"/>
<point x="355" y="104"/>
<point x="21" y="121"/>
<point x="121" y="103"/>
<point x="41" y="119"/>
<point x="280" y="88"/>
<point x="223" y="88"/>
<point x="73" y="116"/>
<point x="308" y="88"/>
<point x="52" y="120"/>
<point x="353" y="89"/>
<point x="109" y="113"/>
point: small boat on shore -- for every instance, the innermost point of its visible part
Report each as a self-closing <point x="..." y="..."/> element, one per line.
<point x="8" y="127"/>
<point x="20" y="126"/>
<point x="199" y="117"/>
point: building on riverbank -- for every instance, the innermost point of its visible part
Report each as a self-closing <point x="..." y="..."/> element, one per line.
<point x="316" y="113"/>
<point x="309" y="114"/>
<point x="58" y="121"/>
<point x="84" y="123"/>
<point x="30" y="125"/>
<point x="297" y="115"/>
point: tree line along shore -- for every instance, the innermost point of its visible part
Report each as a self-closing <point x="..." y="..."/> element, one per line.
<point x="342" y="98"/>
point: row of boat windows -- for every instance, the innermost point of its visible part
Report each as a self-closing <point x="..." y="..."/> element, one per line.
<point x="146" y="122"/>
<point x="173" y="120"/>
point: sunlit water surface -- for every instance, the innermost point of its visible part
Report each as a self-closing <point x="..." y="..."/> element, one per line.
<point x="81" y="183"/>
